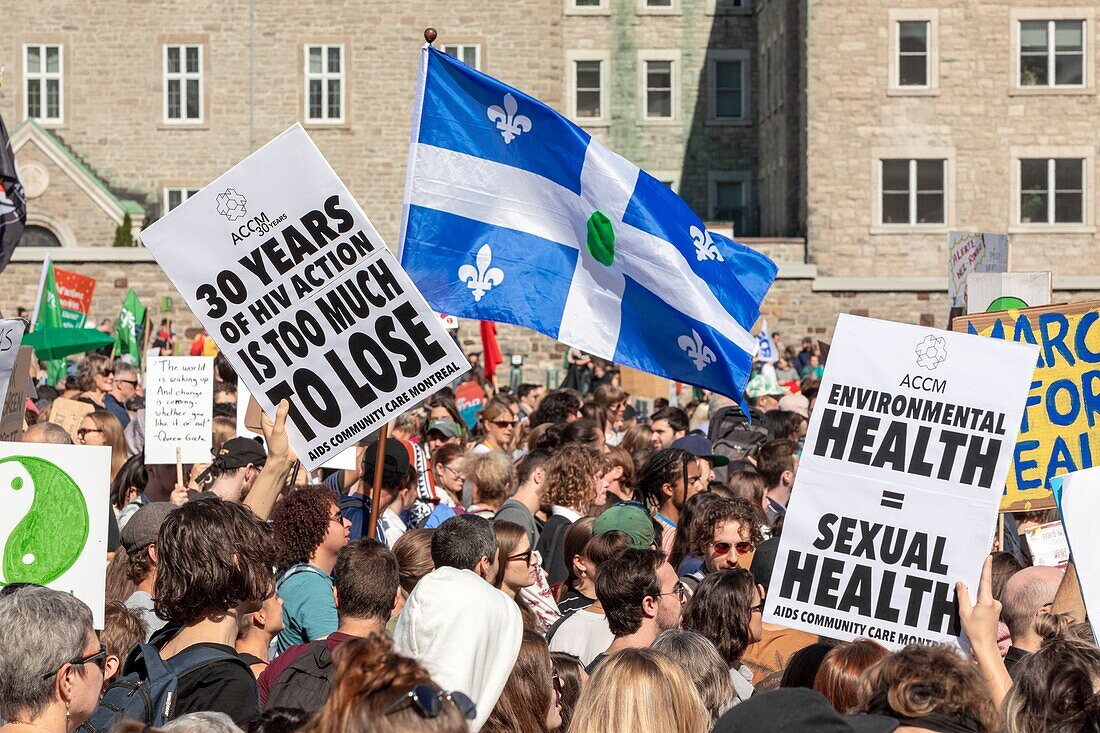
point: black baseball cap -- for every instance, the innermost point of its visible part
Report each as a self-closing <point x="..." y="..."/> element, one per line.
<point x="395" y="466"/>
<point x="797" y="710"/>
<point x="239" y="452"/>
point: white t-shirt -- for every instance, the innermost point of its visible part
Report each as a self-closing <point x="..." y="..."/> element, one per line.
<point x="585" y="635"/>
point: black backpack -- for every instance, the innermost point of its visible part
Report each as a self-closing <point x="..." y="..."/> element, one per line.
<point x="146" y="692"/>
<point x="733" y="436"/>
<point x="306" y="683"/>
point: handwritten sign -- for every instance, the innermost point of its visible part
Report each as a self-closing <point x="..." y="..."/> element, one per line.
<point x="972" y="252"/>
<point x="15" y="400"/>
<point x="179" y="408"/>
<point x="68" y="414"/>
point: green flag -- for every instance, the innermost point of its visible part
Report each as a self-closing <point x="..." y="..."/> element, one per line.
<point x="130" y="328"/>
<point x="50" y="316"/>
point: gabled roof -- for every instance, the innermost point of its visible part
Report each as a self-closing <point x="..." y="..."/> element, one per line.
<point x="29" y="130"/>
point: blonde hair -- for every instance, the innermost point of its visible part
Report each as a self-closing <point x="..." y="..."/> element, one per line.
<point x="642" y="691"/>
<point x="492" y="475"/>
<point x="112" y="435"/>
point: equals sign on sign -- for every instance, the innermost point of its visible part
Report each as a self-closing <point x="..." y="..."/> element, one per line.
<point x="892" y="499"/>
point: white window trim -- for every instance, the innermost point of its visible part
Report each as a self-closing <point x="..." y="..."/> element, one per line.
<point x="674" y="9"/>
<point x="668" y="175"/>
<point x="604" y="57"/>
<point x="672" y="55"/>
<point x="59" y="75"/>
<point x="184" y="76"/>
<point x="915" y="152"/>
<point x="745" y="9"/>
<point x="461" y="45"/>
<point x="1088" y="153"/>
<point x="571" y="8"/>
<point x="1081" y="12"/>
<point x="932" y="17"/>
<point x="325" y="76"/>
<point x="184" y="189"/>
<point x="745" y="57"/>
<point x="745" y="178"/>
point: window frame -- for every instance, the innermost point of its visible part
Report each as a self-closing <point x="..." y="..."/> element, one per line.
<point x="571" y="59"/>
<point x="725" y="55"/>
<point x="676" y="86"/>
<point x="325" y="76"/>
<point x="913" y="192"/>
<point x="464" y="45"/>
<point x="745" y="178"/>
<point x="41" y="77"/>
<point x="1085" y="14"/>
<point x="187" y="192"/>
<point x="644" y="8"/>
<point x="744" y="8"/>
<point x="1085" y="153"/>
<point x="912" y="152"/>
<point x="183" y="76"/>
<point x="571" y="8"/>
<point x="932" y="61"/>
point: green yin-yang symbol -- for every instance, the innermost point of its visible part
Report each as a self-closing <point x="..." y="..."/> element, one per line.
<point x="50" y="538"/>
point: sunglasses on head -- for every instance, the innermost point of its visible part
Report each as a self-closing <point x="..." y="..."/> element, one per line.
<point x="429" y="702"/>
<point x="723" y="548"/>
<point x="99" y="658"/>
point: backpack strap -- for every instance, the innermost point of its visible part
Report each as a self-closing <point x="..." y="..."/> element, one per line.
<point x="295" y="569"/>
<point x="196" y="657"/>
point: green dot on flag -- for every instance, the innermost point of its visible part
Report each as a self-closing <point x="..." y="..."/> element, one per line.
<point x="601" y="238"/>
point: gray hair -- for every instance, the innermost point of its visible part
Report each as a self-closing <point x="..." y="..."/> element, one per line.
<point x="51" y="433"/>
<point x="698" y="656"/>
<point x="461" y="542"/>
<point x="123" y="368"/>
<point x="40" y="630"/>
<point x="204" y="722"/>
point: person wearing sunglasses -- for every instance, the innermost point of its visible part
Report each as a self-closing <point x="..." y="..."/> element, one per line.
<point x="724" y="534"/>
<point x="517" y="566"/>
<point x="124" y="390"/>
<point x="378" y="690"/>
<point x="498" y="426"/>
<point x="94" y="378"/>
<point x="52" y="664"/>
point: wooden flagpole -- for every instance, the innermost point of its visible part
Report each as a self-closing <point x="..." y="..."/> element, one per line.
<point x="376" y="487"/>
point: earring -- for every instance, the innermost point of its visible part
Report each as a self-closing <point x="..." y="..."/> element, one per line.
<point x="68" y="713"/>
<point x="584" y="573"/>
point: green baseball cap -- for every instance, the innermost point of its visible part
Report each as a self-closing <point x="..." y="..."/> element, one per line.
<point x="629" y="517"/>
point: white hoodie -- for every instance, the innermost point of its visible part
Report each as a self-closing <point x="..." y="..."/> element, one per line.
<point x="465" y="632"/>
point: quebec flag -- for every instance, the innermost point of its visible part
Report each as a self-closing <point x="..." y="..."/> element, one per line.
<point x="514" y="214"/>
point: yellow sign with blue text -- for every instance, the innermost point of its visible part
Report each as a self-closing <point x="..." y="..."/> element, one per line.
<point x="1060" y="431"/>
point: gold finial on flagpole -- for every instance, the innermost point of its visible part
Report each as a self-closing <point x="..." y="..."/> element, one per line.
<point x="430" y="35"/>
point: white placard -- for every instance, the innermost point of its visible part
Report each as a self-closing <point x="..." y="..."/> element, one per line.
<point x="1078" y="497"/>
<point x="179" y="408"/>
<point x="998" y="291"/>
<point x="899" y="482"/>
<point x="302" y="295"/>
<point x="344" y="460"/>
<point x="15" y="401"/>
<point x="766" y="351"/>
<point x="1047" y="544"/>
<point x="54" y="524"/>
<point x="11" y="334"/>
<point x="972" y="252"/>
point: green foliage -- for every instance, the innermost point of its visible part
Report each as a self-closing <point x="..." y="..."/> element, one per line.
<point x="124" y="236"/>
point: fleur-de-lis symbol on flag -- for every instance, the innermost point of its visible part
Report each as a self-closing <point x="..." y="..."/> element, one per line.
<point x="705" y="249"/>
<point x="483" y="278"/>
<point x="508" y="122"/>
<point x="696" y="350"/>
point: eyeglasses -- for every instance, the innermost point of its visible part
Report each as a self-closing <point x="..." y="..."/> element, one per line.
<point x="525" y="556"/>
<point x="678" y="591"/>
<point x="338" y="518"/>
<point x="107" y="373"/>
<point x="429" y="702"/>
<point x="84" y="431"/>
<point x="131" y="382"/>
<point x="99" y="658"/>
<point x="457" y="474"/>
<point x="757" y="608"/>
<point x="503" y="423"/>
<point x="723" y="548"/>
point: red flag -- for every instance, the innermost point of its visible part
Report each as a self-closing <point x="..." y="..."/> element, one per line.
<point x="490" y="351"/>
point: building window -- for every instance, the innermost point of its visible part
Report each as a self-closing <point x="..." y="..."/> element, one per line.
<point x="658" y="3"/>
<point x="325" y="83"/>
<point x="1052" y="53"/>
<point x="38" y="236"/>
<point x="183" y="83"/>
<point x="467" y="53"/>
<point x="588" y="85"/>
<point x="729" y="200"/>
<point x="1052" y="190"/>
<point x="913" y="191"/>
<point x="173" y="197"/>
<point x="658" y="90"/>
<point x="913" y="53"/>
<point x="587" y="3"/>
<point x="42" y="97"/>
<point x="728" y="86"/>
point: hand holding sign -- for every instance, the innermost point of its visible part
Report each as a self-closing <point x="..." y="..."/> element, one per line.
<point x="280" y="459"/>
<point x="979" y="622"/>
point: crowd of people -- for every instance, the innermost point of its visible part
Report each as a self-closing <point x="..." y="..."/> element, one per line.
<point x="565" y="563"/>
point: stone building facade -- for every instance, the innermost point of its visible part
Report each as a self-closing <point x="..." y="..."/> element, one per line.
<point x="818" y="132"/>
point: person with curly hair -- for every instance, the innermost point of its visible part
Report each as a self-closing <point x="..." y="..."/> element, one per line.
<point x="573" y="488"/>
<point x="379" y="691"/>
<point x="308" y="532"/>
<point x="724" y="533"/>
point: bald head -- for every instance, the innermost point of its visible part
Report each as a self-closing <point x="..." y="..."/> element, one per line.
<point x="47" y="432"/>
<point x="1028" y="593"/>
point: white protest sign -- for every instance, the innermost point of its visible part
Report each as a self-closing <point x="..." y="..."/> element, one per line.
<point x="179" y="409"/>
<point x="54" y="525"/>
<point x="972" y="252"/>
<point x="1047" y="544"/>
<point x="15" y="400"/>
<point x="11" y="334"/>
<point x="449" y="322"/>
<point x="1078" y="498"/>
<point x="899" y="482"/>
<point x="766" y="351"/>
<point x="344" y="460"/>
<point x="998" y="291"/>
<point x="302" y="295"/>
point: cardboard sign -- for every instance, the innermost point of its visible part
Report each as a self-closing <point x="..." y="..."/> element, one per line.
<point x="1047" y="543"/>
<point x="897" y="489"/>
<point x="972" y="252"/>
<point x="68" y="414"/>
<point x="54" y="525"/>
<point x="998" y="291"/>
<point x="11" y="335"/>
<point x="74" y="292"/>
<point x="292" y="280"/>
<point x="1058" y="434"/>
<point x="1078" y="500"/>
<point x="15" y="400"/>
<point x="179" y="409"/>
